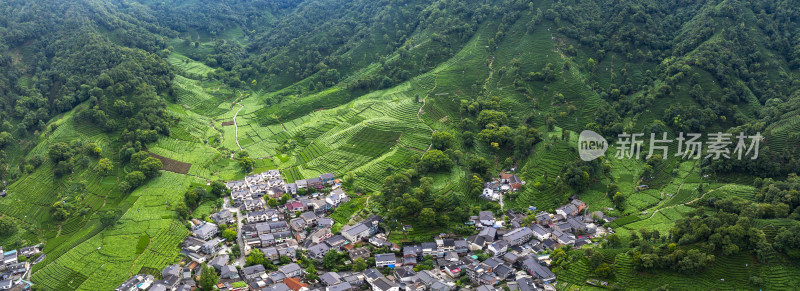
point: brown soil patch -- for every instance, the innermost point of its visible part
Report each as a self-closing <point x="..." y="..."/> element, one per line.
<point x="173" y="165"/>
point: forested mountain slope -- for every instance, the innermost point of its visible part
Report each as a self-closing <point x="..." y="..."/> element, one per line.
<point x="414" y="104"/>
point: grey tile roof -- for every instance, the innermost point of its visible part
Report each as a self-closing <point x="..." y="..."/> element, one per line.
<point x="503" y="271"/>
<point x="372" y="274"/>
<point x="511" y="257"/>
<point x="174" y="270"/>
<point x="404" y="272"/>
<point x="426" y="277"/>
<point x="319" y="250"/>
<point x="525" y="284"/>
<point x="538" y="230"/>
<point x="493" y="262"/>
<point x="226" y="270"/>
<point x="356" y="229"/>
<point x="308" y="215"/>
<point x="344" y="286"/>
<point x="518" y="234"/>
<point x="549" y="243"/>
<point x="205" y="229"/>
<point x="330" y="278"/>
<point x="385" y="257"/>
<point x="384" y="284"/>
<point x="412" y="250"/>
<point x="537" y="270"/>
<point x="325" y="221"/>
<point x="290" y="268"/>
<point x="255" y="269"/>
<point x="278" y="287"/>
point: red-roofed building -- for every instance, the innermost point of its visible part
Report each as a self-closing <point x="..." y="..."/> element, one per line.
<point x="295" y="284"/>
<point x="511" y="180"/>
<point x="294" y="206"/>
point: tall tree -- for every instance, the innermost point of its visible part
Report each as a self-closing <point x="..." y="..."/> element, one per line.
<point x="208" y="278"/>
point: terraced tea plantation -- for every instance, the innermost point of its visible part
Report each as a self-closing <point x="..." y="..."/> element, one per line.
<point x="111" y="256"/>
<point x="416" y="107"/>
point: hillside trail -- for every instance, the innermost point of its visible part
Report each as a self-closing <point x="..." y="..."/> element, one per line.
<point x="491" y="73"/>
<point x="353" y="217"/>
<point x="676" y="193"/>
<point x="236" y="125"/>
<point x="685" y="203"/>
<point x="130" y="272"/>
<point x="435" y="84"/>
<point x="419" y="112"/>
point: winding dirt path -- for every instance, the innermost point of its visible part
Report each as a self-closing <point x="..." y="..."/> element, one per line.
<point x="687" y="202"/>
<point x="358" y="213"/>
<point x="236" y="126"/>
<point x="435" y="84"/>
<point x="133" y="265"/>
<point x="676" y="193"/>
<point x="491" y="73"/>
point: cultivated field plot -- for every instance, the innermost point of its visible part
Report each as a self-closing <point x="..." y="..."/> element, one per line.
<point x="202" y="98"/>
<point x="189" y="66"/>
<point x="173" y="165"/>
<point x="727" y="273"/>
<point x="743" y="191"/>
<point x="67" y="130"/>
<point x="378" y="130"/>
<point x="29" y="199"/>
<point x="110" y="257"/>
<point x="203" y="160"/>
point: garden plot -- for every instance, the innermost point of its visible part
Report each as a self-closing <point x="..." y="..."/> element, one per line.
<point x="730" y="190"/>
<point x="687" y="193"/>
<point x="110" y="256"/>
<point x="191" y="67"/>
<point x="337" y="161"/>
<point x="185" y="152"/>
<point x="192" y="95"/>
<point x="639" y="201"/>
<point x="370" y="142"/>
<point x="576" y="273"/>
<point x="173" y="165"/>
<point x="658" y="221"/>
<point x="727" y="273"/>
<point x="29" y="199"/>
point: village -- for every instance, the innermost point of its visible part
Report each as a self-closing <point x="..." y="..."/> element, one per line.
<point x="15" y="266"/>
<point x="298" y="233"/>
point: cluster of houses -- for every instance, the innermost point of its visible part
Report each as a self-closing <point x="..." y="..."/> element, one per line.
<point x="182" y="278"/>
<point x="15" y="265"/>
<point x="275" y="231"/>
<point x="504" y="183"/>
<point x="499" y="256"/>
<point x="204" y="241"/>
<point x="249" y="192"/>
<point x="568" y="226"/>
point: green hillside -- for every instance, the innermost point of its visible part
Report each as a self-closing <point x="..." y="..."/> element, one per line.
<point x="366" y="89"/>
